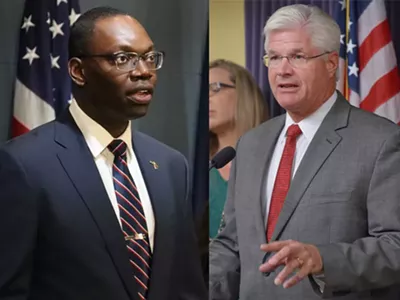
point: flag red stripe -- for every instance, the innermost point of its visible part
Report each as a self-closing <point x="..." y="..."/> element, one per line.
<point x="384" y="88"/>
<point x="378" y="38"/>
<point x="18" y="128"/>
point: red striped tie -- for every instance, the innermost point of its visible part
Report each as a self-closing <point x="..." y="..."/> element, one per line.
<point x="132" y="216"/>
<point x="283" y="178"/>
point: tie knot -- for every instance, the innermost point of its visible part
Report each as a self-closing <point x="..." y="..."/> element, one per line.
<point x="293" y="131"/>
<point x="118" y="148"/>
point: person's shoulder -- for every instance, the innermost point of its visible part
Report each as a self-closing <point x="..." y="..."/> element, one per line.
<point x="264" y="129"/>
<point x="36" y="141"/>
<point x="372" y="123"/>
<point x="29" y="151"/>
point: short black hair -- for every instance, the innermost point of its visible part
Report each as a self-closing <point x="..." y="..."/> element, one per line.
<point x="82" y="29"/>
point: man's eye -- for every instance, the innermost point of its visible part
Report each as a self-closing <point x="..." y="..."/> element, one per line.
<point x="151" y="57"/>
<point x="275" y="57"/>
<point x="122" y="58"/>
<point x="298" y="57"/>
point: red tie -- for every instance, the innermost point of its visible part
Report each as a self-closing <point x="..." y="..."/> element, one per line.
<point x="283" y="177"/>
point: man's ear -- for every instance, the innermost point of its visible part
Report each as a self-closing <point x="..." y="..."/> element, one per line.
<point x="332" y="63"/>
<point x="76" y="71"/>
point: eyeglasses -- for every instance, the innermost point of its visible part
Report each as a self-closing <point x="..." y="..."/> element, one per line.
<point x="128" y="61"/>
<point x="295" y="60"/>
<point x="215" y="87"/>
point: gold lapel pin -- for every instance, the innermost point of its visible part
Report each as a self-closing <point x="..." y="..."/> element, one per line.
<point x="155" y="165"/>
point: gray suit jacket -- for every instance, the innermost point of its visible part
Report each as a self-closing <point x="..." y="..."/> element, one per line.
<point x="344" y="198"/>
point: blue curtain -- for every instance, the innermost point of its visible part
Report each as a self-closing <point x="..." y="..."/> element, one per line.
<point x="200" y="171"/>
<point x="200" y="165"/>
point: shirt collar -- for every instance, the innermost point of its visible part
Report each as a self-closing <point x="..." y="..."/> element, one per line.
<point x="96" y="136"/>
<point x="310" y="125"/>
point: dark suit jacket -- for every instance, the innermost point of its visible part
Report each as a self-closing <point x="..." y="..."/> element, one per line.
<point x="60" y="238"/>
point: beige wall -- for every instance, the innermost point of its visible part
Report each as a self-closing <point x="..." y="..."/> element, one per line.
<point x="227" y="30"/>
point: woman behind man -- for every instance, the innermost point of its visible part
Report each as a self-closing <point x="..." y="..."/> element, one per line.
<point x="236" y="105"/>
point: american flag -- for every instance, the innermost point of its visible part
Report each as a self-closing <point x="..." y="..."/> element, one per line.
<point x="369" y="75"/>
<point x="43" y="86"/>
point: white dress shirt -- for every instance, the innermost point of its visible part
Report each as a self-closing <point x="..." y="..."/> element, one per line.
<point x="309" y="127"/>
<point x="97" y="139"/>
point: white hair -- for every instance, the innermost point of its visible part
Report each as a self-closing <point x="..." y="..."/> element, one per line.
<point x="322" y="28"/>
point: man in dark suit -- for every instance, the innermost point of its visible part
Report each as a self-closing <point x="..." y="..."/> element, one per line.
<point x="88" y="208"/>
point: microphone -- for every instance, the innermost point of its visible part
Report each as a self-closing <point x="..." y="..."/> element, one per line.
<point x="222" y="158"/>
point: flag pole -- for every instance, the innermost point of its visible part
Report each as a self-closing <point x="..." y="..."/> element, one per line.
<point x="347" y="29"/>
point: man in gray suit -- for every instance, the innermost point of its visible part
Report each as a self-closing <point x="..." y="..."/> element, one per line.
<point x="335" y="233"/>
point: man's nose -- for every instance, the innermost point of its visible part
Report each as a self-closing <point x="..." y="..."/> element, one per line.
<point x="285" y="68"/>
<point x="141" y="70"/>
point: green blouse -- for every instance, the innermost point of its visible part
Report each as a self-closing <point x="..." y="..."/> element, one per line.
<point x="217" y="196"/>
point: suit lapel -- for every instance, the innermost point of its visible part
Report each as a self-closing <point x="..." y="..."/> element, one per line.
<point x="154" y="169"/>
<point x="323" y="144"/>
<point x="78" y="163"/>
<point x="264" y="150"/>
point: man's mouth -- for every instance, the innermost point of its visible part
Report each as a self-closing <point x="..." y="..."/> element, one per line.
<point x="141" y="95"/>
<point x="287" y="85"/>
